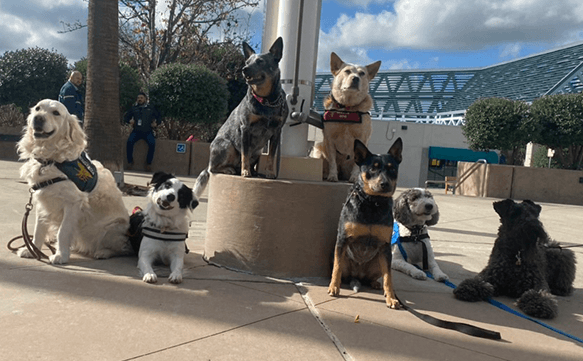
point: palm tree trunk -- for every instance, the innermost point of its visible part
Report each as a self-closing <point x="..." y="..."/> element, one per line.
<point x="102" y="96"/>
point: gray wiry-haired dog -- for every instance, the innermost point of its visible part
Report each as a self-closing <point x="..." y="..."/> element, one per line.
<point x="414" y="210"/>
<point x="524" y="263"/>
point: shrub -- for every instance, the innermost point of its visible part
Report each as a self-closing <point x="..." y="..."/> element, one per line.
<point x="189" y="97"/>
<point x="29" y="75"/>
<point x="11" y="116"/>
<point x="497" y="123"/>
<point x="558" y="120"/>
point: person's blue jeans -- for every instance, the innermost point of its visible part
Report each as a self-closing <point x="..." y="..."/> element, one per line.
<point x="134" y="137"/>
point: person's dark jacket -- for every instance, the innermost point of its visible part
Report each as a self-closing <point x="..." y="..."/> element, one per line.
<point x="143" y="116"/>
<point x="72" y="98"/>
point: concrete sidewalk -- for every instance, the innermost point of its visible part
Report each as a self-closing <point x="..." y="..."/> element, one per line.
<point x="101" y="310"/>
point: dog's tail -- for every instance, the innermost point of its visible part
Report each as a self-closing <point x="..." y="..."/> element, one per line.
<point x="201" y="182"/>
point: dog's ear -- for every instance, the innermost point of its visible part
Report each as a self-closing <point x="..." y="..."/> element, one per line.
<point x="434" y="218"/>
<point x="401" y="210"/>
<point x="535" y="207"/>
<point x="361" y="152"/>
<point x="186" y="198"/>
<point x="76" y="133"/>
<point x="26" y="143"/>
<point x="504" y="208"/>
<point x="372" y="69"/>
<point x="247" y="50"/>
<point x="277" y="49"/>
<point x="335" y="63"/>
<point x="159" y="178"/>
<point x="397" y="150"/>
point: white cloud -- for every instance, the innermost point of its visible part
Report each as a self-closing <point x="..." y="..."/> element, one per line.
<point x="363" y="3"/>
<point x="456" y="25"/>
<point x="38" y="24"/>
<point x="511" y="51"/>
<point x="51" y="4"/>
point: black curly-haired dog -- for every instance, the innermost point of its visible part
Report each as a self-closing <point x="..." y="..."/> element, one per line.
<point x="524" y="263"/>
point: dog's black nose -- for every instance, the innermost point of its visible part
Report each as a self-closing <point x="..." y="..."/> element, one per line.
<point x="170" y="198"/>
<point x="385" y="186"/>
<point x="38" y="122"/>
<point x="428" y="206"/>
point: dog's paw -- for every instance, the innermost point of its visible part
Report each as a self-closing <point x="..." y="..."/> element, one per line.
<point x="419" y="275"/>
<point x="58" y="258"/>
<point x="393" y="303"/>
<point x="245" y="173"/>
<point x="175" y="278"/>
<point x="473" y="290"/>
<point x="24" y="253"/>
<point x="270" y="175"/>
<point x="103" y="254"/>
<point x="150" y="278"/>
<point x="440" y="276"/>
<point x="539" y="304"/>
<point x="333" y="290"/>
<point x="332" y="178"/>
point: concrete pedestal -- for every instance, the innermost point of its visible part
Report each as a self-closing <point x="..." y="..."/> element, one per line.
<point x="279" y="228"/>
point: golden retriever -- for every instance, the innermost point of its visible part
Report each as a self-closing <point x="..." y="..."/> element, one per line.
<point x="93" y="222"/>
<point x="346" y="118"/>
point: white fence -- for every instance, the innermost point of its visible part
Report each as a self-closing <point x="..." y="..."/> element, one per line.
<point x="455" y="118"/>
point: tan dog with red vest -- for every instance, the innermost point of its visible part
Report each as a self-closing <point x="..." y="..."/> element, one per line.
<point x="346" y="118"/>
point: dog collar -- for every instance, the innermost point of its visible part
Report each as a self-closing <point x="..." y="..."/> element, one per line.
<point x="80" y="171"/>
<point x="46" y="183"/>
<point x="340" y="116"/>
<point x="341" y="113"/>
<point x="164" y="236"/>
<point x="263" y="101"/>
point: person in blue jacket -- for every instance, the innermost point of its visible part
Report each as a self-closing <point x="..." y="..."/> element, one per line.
<point x="144" y="117"/>
<point x="71" y="96"/>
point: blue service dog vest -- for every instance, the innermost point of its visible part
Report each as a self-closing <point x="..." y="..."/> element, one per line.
<point x="80" y="171"/>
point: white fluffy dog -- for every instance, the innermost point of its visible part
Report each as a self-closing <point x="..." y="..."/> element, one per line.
<point x="165" y="227"/>
<point x="414" y="210"/>
<point x="76" y="199"/>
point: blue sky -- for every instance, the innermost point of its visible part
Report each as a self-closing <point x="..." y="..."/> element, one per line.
<point x="404" y="34"/>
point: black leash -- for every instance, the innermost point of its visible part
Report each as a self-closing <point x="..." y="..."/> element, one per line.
<point x="456" y="326"/>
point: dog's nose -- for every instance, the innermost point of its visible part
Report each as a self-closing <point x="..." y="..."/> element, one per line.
<point x="428" y="206"/>
<point x="38" y="122"/>
<point x="355" y="81"/>
<point x="170" y="197"/>
<point x="385" y="186"/>
<point x="246" y="72"/>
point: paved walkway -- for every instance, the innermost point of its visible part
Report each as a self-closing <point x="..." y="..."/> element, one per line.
<point x="101" y="310"/>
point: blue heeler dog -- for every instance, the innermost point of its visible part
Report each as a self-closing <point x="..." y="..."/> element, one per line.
<point x="254" y="123"/>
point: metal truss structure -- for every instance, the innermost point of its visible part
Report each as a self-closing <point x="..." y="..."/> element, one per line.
<point x="442" y="96"/>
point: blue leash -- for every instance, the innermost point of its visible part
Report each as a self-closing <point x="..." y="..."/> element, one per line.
<point x="500" y="305"/>
<point x="503" y="307"/>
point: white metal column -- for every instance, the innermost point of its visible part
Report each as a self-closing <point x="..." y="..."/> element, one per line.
<point x="286" y="24"/>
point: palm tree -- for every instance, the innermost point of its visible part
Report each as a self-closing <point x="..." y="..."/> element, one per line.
<point x="102" y="123"/>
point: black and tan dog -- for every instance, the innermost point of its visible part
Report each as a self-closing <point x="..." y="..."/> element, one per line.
<point x="256" y="121"/>
<point x="363" y="245"/>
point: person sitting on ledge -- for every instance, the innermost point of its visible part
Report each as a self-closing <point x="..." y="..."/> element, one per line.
<point x="143" y="117"/>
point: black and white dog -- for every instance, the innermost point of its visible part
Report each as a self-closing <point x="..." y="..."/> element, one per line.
<point x="414" y="210"/>
<point x="164" y="227"/>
